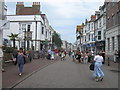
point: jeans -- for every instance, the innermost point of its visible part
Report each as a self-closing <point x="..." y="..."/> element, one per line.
<point x="20" y="67"/>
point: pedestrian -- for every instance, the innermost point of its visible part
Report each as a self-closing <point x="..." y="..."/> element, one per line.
<point x="43" y="53"/>
<point x="115" y="56"/>
<point x="82" y="57"/>
<point x="86" y="58"/>
<point x="1" y="59"/>
<point x="73" y="55"/>
<point x="69" y="53"/>
<point x="62" y="55"/>
<point x="89" y="56"/>
<point x="92" y="55"/>
<point x="79" y="57"/>
<point x="65" y="52"/>
<point x="49" y="54"/>
<point x="57" y="52"/>
<point x="20" y="59"/>
<point x="28" y="56"/>
<point x="98" y="73"/>
<point x="52" y="54"/>
<point x="103" y="55"/>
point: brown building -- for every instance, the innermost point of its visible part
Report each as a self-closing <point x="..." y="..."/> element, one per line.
<point x="112" y="27"/>
<point x="34" y="10"/>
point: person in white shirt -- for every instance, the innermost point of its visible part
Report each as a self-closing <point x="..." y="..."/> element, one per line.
<point x="98" y="73"/>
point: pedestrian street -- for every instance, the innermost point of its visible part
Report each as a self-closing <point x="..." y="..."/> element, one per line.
<point x="69" y="74"/>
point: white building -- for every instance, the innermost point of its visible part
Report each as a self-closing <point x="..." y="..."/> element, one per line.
<point x="19" y="24"/>
<point x="51" y="31"/>
<point x="33" y="28"/>
<point x="86" y="35"/>
<point x="4" y="24"/>
<point x="64" y="44"/>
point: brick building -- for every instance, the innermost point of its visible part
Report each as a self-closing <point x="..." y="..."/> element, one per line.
<point x="112" y="27"/>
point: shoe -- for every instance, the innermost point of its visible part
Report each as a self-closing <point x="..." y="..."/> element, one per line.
<point x="20" y="74"/>
<point x="101" y="78"/>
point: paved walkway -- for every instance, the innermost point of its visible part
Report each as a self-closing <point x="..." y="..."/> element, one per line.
<point x="68" y="74"/>
<point x="10" y="77"/>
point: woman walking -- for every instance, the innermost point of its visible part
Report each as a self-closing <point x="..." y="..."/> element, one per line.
<point x="62" y="55"/>
<point x="73" y="55"/>
<point x="20" y="60"/>
<point x="98" y="73"/>
<point x="52" y="54"/>
<point x="79" y="57"/>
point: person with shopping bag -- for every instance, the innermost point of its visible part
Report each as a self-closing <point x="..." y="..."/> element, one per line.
<point x="98" y="73"/>
<point x="20" y="60"/>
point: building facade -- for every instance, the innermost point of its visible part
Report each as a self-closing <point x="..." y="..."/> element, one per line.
<point x="85" y="35"/>
<point x="112" y="27"/>
<point x="31" y="25"/>
<point x="100" y="29"/>
<point x="78" y="36"/>
<point x="4" y="24"/>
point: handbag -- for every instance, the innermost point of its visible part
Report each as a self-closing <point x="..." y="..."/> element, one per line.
<point x="92" y="65"/>
<point x="15" y="61"/>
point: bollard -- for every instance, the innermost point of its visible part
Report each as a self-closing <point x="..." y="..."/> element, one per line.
<point x="108" y="61"/>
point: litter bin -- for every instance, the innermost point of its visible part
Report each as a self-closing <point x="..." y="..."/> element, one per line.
<point x="36" y="55"/>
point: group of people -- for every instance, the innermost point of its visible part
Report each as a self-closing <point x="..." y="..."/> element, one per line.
<point x="50" y="54"/>
<point x="83" y="57"/>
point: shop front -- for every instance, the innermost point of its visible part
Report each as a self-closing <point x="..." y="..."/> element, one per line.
<point x="100" y="46"/>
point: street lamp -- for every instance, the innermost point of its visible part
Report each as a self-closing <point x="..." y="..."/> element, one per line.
<point x="35" y="33"/>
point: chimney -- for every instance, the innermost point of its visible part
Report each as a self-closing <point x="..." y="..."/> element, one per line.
<point x="86" y="21"/>
<point x="36" y="5"/>
<point x="93" y="17"/>
<point x="20" y="3"/>
<point x="19" y="6"/>
<point x="82" y="25"/>
<point x="97" y="14"/>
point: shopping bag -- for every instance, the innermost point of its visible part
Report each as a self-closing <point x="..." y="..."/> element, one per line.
<point x="92" y="66"/>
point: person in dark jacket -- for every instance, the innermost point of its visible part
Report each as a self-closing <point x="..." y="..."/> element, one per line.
<point x="20" y="60"/>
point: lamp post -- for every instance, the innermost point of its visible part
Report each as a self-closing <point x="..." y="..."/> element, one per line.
<point x="25" y="39"/>
<point x="35" y="33"/>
